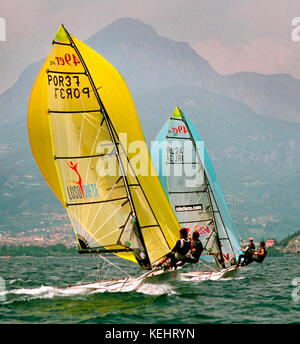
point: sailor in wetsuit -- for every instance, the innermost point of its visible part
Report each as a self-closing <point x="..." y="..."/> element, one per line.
<point x="196" y="249"/>
<point x="248" y="253"/>
<point x="260" y="255"/>
<point x="178" y="254"/>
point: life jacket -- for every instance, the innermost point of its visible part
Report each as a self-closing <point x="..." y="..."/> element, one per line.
<point x="250" y="250"/>
<point x="197" y="245"/>
<point x="182" y="248"/>
<point x="185" y="246"/>
<point x="261" y="254"/>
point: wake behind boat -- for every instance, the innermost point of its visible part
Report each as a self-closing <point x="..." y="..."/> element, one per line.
<point x="121" y="285"/>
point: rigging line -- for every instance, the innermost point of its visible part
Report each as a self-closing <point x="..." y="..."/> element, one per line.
<point x="80" y="139"/>
<point x="206" y="184"/>
<point x="82" y="157"/>
<point x="87" y="175"/>
<point x="85" y="118"/>
<point x="178" y="138"/>
<point x="186" y="192"/>
<point x="53" y="148"/>
<point x="196" y="221"/>
<point x="108" y="122"/>
<point x="59" y="43"/>
<point x="102" y="120"/>
<point x="114" y="265"/>
<point x="209" y="186"/>
<point x="182" y="163"/>
<point x="112" y="136"/>
<point x="222" y="221"/>
<point x="81" y="131"/>
<point x="124" y="226"/>
<point x="110" y="264"/>
<point x="96" y="202"/>
<point x="208" y="266"/>
<point x="111" y="232"/>
<point x="86" y="278"/>
<point x="103" y="109"/>
<point x="149" y="205"/>
<point x="214" y="220"/>
<point x="123" y="186"/>
<point x="176" y="119"/>
<point x="60" y="72"/>
<point x="100" y="208"/>
<point x="80" y="112"/>
<point x="106" y="249"/>
<point x="94" y="148"/>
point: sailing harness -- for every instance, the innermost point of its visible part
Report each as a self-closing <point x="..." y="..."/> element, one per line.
<point x="181" y="248"/>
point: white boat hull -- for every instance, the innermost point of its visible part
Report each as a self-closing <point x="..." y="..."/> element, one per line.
<point x="208" y="275"/>
<point x="153" y="276"/>
<point x="125" y="284"/>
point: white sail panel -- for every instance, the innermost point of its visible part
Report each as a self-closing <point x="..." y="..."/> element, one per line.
<point x="183" y="173"/>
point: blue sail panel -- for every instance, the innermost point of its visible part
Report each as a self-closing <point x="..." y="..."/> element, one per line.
<point x="189" y="180"/>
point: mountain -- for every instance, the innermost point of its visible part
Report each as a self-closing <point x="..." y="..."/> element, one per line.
<point x="153" y="62"/>
<point x="290" y="244"/>
<point x="148" y="60"/>
<point x="254" y="149"/>
<point x="269" y="95"/>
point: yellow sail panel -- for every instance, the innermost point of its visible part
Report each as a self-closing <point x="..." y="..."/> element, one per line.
<point x="39" y="132"/>
<point x="79" y="107"/>
<point x="71" y="144"/>
<point x="124" y="118"/>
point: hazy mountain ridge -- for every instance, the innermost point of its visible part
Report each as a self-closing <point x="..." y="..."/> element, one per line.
<point x="255" y="157"/>
<point x="148" y="60"/>
<point x="269" y="95"/>
<point x="155" y="62"/>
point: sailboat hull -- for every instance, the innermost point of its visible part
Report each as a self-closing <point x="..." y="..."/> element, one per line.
<point x="125" y="284"/>
<point x="209" y="275"/>
<point x="152" y="277"/>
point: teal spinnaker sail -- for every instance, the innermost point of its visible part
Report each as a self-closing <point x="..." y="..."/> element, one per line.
<point x="189" y="181"/>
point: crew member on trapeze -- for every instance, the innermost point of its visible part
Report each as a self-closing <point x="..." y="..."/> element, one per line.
<point x="248" y="250"/>
<point x="178" y="254"/>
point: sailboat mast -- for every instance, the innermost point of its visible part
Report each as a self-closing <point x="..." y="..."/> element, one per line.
<point x="209" y="197"/>
<point x="109" y="126"/>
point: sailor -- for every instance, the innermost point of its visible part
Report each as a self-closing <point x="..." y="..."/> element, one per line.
<point x="260" y="255"/>
<point x="248" y="253"/>
<point x="178" y="254"/>
<point x="196" y="249"/>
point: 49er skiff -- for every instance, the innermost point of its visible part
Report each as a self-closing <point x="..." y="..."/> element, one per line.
<point x="189" y="181"/>
<point x="79" y="108"/>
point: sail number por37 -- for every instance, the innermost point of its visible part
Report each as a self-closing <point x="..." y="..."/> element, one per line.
<point x="67" y="87"/>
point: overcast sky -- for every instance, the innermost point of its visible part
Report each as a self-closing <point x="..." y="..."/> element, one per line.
<point x="232" y="35"/>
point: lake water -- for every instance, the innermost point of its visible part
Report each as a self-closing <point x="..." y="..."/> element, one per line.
<point x="259" y="294"/>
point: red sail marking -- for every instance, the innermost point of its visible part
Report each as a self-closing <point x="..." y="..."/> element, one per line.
<point x="79" y="182"/>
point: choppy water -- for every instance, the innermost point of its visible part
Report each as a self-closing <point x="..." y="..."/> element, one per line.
<point x="260" y="293"/>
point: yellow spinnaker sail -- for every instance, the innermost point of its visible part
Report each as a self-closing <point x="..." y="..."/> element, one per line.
<point x="80" y="108"/>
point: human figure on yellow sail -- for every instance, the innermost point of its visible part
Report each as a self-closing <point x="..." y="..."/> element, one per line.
<point x="177" y="256"/>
